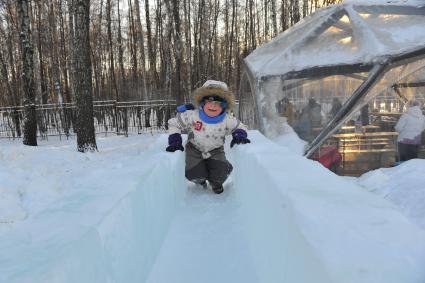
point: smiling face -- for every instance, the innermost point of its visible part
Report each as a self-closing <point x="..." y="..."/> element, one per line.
<point x="212" y="108"/>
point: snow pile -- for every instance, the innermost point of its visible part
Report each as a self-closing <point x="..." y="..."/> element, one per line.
<point x="402" y="185"/>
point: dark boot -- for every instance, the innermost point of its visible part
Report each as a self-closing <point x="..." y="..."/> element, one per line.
<point x="218" y="189"/>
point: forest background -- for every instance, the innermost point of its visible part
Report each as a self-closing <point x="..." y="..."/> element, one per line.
<point x="140" y="49"/>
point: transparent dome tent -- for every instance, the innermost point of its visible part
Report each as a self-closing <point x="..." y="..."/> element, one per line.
<point x="343" y="65"/>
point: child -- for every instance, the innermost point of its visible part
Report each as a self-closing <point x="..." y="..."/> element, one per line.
<point x="206" y="127"/>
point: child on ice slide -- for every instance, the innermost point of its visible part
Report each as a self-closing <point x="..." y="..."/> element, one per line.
<point x="207" y="127"/>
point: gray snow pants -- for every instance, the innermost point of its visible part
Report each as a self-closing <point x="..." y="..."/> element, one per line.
<point x="215" y="169"/>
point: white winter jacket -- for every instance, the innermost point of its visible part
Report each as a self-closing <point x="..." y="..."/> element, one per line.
<point x="204" y="136"/>
<point x="410" y="126"/>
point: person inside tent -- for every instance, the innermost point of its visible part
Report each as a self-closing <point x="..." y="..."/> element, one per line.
<point x="315" y="110"/>
<point x="336" y="105"/>
<point x="207" y="127"/>
<point x="310" y="119"/>
<point x="285" y="108"/>
<point x="409" y="128"/>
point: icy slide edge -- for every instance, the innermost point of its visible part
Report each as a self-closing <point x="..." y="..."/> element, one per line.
<point x="305" y="225"/>
<point x="104" y="238"/>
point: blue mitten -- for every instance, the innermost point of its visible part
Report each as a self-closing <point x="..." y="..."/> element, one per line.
<point x="182" y="108"/>
<point x="239" y="137"/>
<point x="174" y="143"/>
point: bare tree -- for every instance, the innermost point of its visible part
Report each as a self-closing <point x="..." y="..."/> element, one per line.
<point x="123" y="85"/>
<point x="113" y="79"/>
<point x="305" y="8"/>
<point x="151" y="54"/>
<point x="188" y="47"/>
<point x="98" y="53"/>
<point x="178" y="47"/>
<point x="64" y="53"/>
<point x="141" y="47"/>
<point x="295" y="11"/>
<point x="54" y="54"/>
<point x="274" y="18"/>
<point x="70" y="4"/>
<point x="40" y="45"/>
<point x="30" y="118"/>
<point x="133" y="46"/>
<point x="10" y="98"/>
<point x="3" y="73"/>
<point x="284" y="15"/>
<point x="86" y="140"/>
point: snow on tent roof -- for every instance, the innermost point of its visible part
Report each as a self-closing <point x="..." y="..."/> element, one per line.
<point x="355" y="32"/>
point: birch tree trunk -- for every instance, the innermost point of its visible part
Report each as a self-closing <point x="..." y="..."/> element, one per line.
<point x="97" y="54"/>
<point x="64" y="54"/>
<point x="43" y="84"/>
<point x="188" y="39"/>
<point x="70" y="4"/>
<point x="178" y="49"/>
<point x="53" y="40"/>
<point x="305" y="8"/>
<point x="113" y="79"/>
<point x="141" y="47"/>
<point x="30" y="117"/>
<point x="133" y="50"/>
<point x="123" y="84"/>
<point x="86" y="140"/>
<point x="3" y="72"/>
<point x="295" y="12"/>
<point x="13" y="69"/>
<point x="151" y="54"/>
<point x="231" y="39"/>
<point x="274" y="18"/>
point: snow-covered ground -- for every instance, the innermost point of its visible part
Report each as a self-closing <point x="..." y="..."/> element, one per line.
<point x="33" y="177"/>
<point x="126" y="214"/>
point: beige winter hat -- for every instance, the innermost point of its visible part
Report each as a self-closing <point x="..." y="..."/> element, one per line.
<point x="217" y="88"/>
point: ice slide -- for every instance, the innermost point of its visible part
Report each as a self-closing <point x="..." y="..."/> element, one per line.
<point x="282" y="218"/>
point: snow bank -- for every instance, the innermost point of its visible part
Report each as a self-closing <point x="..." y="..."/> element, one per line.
<point x="402" y="185"/>
<point x="309" y="225"/>
<point x="103" y="226"/>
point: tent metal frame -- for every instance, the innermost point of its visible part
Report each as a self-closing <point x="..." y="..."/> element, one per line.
<point x="352" y="104"/>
